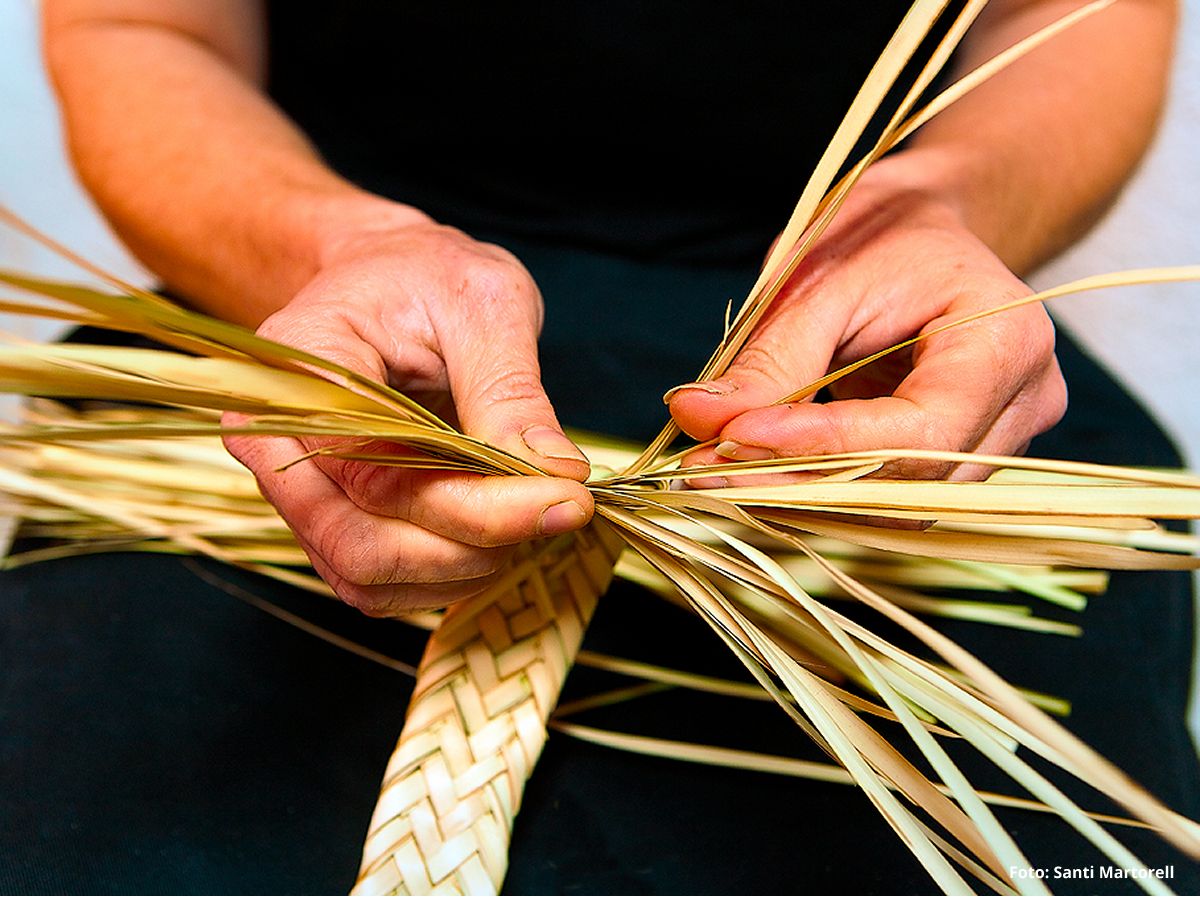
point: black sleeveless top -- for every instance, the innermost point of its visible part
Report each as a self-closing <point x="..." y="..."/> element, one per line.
<point x="668" y="131"/>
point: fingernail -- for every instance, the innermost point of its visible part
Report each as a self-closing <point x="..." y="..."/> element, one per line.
<point x="565" y="516"/>
<point x="742" y="452"/>
<point x="708" y="482"/>
<point x="545" y="441"/>
<point x="709" y="387"/>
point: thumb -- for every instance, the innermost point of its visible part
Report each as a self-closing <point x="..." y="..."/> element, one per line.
<point x="497" y="387"/>
<point x="789" y="349"/>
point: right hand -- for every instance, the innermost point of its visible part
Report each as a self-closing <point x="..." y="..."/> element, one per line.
<point x="435" y="313"/>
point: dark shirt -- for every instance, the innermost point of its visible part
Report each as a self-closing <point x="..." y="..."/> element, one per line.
<point x="665" y="131"/>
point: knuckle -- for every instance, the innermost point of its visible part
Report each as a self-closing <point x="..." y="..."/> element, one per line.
<point x="493" y="282"/>
<point x="499" y="307"/>
<point x="1040" y="338"/>
<point x="1024" y="340"/>
<point x="288" y="325"/>
<point x="1025" y="335"/>
<point x="1052" y="403"/>
<point x="500" y="254"/>
<point x="514" y="387"/>
<point x="365" y="484"/>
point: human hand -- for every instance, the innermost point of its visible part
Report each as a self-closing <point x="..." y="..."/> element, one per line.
<point x="454" y="321"/>
<point x="897" y="261"/>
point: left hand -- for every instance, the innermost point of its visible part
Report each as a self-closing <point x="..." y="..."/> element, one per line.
<point x="897" y="261"/>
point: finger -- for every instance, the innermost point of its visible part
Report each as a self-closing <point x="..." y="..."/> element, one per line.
<point x="491" y="359"/>
<point x="382" y="600"/>
<point x="791" y="347"/>
<point x="349" y="544"/>
<point x="959" y="386"/>
<point x="483" y="511"/>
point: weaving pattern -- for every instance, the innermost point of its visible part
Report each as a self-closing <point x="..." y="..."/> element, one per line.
<point x="486" y="686"/>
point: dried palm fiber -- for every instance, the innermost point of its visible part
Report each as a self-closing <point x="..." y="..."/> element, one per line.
<point x="1051" y="514"/>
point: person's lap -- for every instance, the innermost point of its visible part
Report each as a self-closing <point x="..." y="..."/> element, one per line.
<point x="158" y="735"/>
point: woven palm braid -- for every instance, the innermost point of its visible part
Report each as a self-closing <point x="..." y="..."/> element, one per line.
<point x="487" y="684"/>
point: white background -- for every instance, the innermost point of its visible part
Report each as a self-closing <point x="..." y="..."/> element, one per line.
<point x="1148" y="336"/>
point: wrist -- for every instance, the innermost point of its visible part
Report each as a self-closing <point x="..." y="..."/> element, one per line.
<point x="967" y="189"/>
<point x="284" y="240"/>
<point x="915" y="187"/>
<point x="931" y="178"/>
<point x="336" y="222"/>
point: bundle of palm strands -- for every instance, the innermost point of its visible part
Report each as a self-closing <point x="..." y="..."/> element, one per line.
<point x="754" y="562"/>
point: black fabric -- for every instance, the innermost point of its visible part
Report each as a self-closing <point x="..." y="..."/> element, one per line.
<point x="678" y="130"/>
<point x="159" y="736"/>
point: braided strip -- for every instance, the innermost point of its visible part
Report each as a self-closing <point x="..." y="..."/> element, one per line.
<point x="486" y="686"/>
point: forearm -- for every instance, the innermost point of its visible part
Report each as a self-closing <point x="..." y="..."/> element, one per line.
<point x="1033" y="157"/>
<point x="206" y="181"/>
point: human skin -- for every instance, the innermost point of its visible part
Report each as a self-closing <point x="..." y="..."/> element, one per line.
<point x="219" y="194"/>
